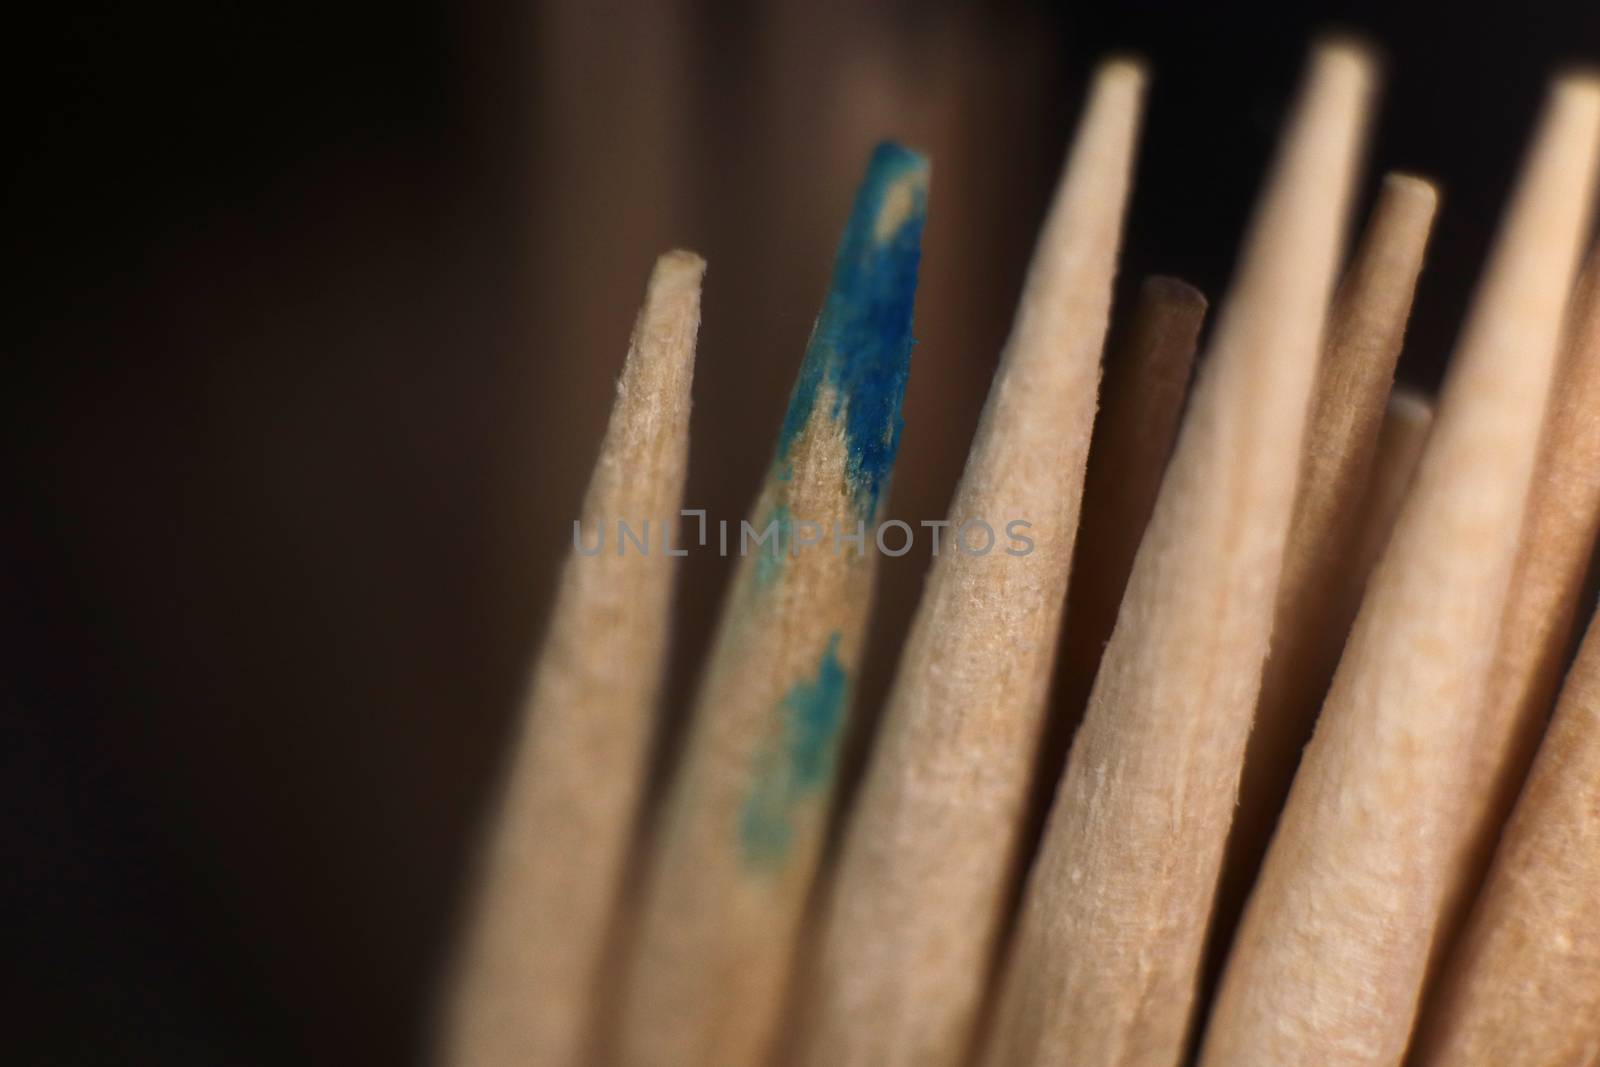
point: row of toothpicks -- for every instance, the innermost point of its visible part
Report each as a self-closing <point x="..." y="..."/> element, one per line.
<point x="1329" y="792"/>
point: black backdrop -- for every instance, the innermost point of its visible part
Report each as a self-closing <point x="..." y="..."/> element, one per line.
<point x="301" y="393"/>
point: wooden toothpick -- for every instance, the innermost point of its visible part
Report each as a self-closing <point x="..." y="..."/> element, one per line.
<point x="1522" y="987"/>
<point x="523" y="985"/>
<point x="740" y="831"/>
<point x="1366" y="327"/>
<point x="1407" y="420"/>
<point x="1330" y="957"/>
<point x="1141" y="399"/>
<point x="910" y="923"/>
<point x="1102" y="968"/>
<point x="1558" y="539"/>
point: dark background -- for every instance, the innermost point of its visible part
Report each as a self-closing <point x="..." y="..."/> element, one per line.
<point x="313" y="321"/>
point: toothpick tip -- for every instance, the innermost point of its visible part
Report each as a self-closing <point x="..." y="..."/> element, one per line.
<point x="1175" y="291"/>
<point x="1411" y="186"/>
<point x="1578" y="87"/>
<point x="1346" y="58"/>
<point x="1411" y="406"/>
<point x="679" y="265"/>
<point x="1123" y="67"/>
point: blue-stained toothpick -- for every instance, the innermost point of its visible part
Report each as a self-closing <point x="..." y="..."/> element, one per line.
<point x="740" y="830"/>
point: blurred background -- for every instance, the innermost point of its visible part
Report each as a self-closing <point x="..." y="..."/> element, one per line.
<point x="315" y="316"/>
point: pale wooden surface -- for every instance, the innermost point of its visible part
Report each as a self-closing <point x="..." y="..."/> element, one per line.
<point x="1329" y="960"/>
<point x="1522" y="988"/>
<point x="739" y="833"/>
<point x="1102" y="968"/>
<point x="1366" y="327"/>
<point x="1558" y="538"/>
<point x="912" y="917"/>
<point x="1407" y="421"/>
<point x="523" y="985"/>
<point x="1141" y="399"/>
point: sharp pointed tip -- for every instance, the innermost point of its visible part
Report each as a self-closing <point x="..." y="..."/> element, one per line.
<point x="861" y="345"/>
<point x="894" y="192"/>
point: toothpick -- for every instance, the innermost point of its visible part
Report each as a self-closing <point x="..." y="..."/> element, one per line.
<point x="741" y="829"/>
<point x="1522" y="988"/>
<point x="1366" y="327"/>
<point x="524" y="983"/>
<point x="905" y="943"/>
<point x="1329" y="960"/>
<point x="1146" y="381"/>
<point x="1558" y="539"/>
<point x="1407" y="421"/>
<point x="1103" y="966"/>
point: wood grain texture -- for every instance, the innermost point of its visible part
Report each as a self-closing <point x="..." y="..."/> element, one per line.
<point x="1522" y="988"/>
<point x="739" y="833"/>
<point x="1102" y="969"/>
<point x="1558" y="539"/>
<point x="1141" y="400"/>
<point x="910" y="925"/>
<point x="1407" y="421"/>
<point x="1329" y="961"/>
<point x="1366" y="328"/>
<point x="523" y="987"/>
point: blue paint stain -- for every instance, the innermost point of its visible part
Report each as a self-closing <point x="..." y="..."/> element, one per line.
<point x="861" y="344"/>
<point x="771" y="555"/>
<point x="798" y="764"/>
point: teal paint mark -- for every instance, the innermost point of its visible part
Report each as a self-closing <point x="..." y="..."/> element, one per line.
<point x="798" y="764"/>
<point x="861" y="344"/>
<point x="771" y="555"/>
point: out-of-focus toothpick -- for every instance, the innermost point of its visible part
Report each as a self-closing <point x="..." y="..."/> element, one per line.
<point x="1330" y="958"/>
<point x="1558" y="538"/>
<point x="1366" y="327"/>
<point x="1407" y="420"/>
<point x="523" y="986"/>
<point x="1141" y="400"/>
<point x="1522" y="987"/>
